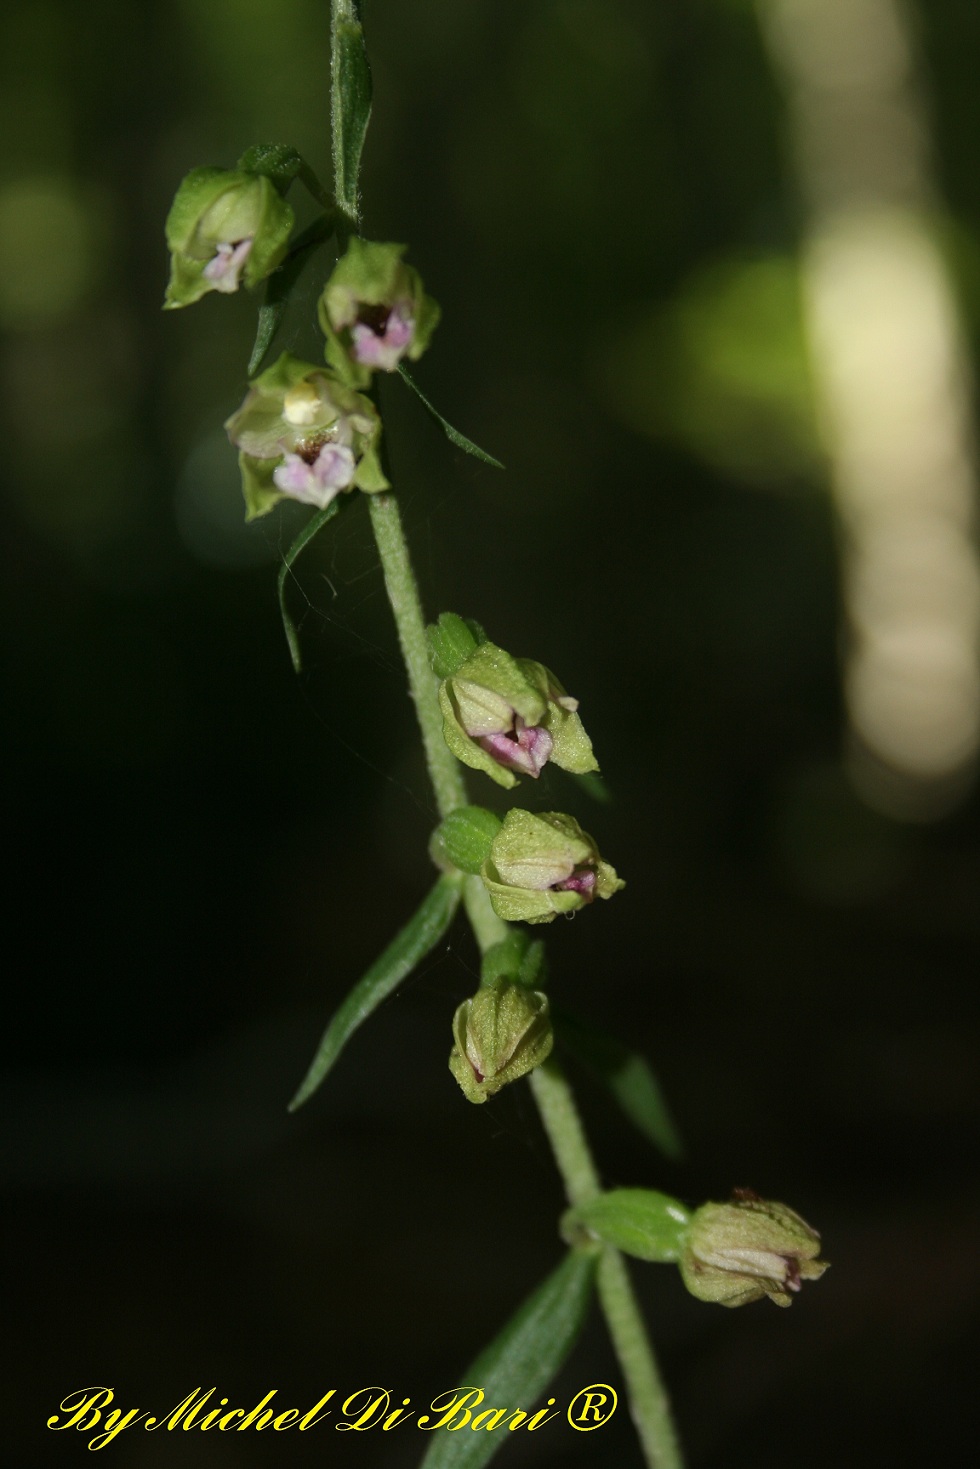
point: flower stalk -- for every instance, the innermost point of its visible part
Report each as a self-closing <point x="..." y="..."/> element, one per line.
<point x="649" y="1404"/>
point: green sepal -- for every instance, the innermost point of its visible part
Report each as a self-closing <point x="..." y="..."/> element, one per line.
<point x="466" y="750"/>
<point x="451" y="641"/>
<point x="517" y="958"/>
<point x="310" y="529"/>
<point x="350" y="102"/>
<point x="369" y="476"/>
<point x="257" y="487"/>
<point x="517" y="1366"/>
<point x="460" y="441"/>
<point x="419" y="936"/>
<point x="466" y="835"/>
<point x="500" y="1033"/>
<point x="572" y="747"/>
<point x="216" y="206"/>
<point x="629" y="1078"/>
<point x="638" y="1221"/>
<point x="536" y="851"/>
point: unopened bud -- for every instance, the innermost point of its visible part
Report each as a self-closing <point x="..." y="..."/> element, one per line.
<point x="539" y="866"/>
<point x="739" y="1252"/>
<point x="501" y="1034"/>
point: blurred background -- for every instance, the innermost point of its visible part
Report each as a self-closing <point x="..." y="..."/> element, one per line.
<point x="710" y="274"/>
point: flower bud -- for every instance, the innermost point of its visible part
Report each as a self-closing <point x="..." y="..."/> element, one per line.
<point x="502" y="1033"/>
<point x="543" y="865"/>
<point x="224" y="226"/>
<point x="304" y="435"/>
<point x="509" y="716"/>
<point x="739" y="1252"/>
<point x="374" y="312"/>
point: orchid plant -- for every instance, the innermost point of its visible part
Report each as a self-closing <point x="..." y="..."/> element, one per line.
<point x="312" y="432"/>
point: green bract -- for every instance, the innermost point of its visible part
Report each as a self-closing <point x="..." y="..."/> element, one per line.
<point x="303" y="434"/>
<point x="543" y="865"/>
<point x="502" y="1033"/>
<point x="739" y="1252"/>
<point x="224" y="226"/>
<point x="374" y="312"/>
<point x="509" y="716"/>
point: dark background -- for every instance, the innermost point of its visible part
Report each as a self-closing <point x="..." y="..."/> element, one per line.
<point x="204" y="851"/>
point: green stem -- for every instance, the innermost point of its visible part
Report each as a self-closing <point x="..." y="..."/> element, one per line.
<point x="403" y="594"/>
<point x="649" y="1404"/>
<point x="552" y="1093"/>
<point x="648" y="1400"/>
<point x="565" y="1132"/>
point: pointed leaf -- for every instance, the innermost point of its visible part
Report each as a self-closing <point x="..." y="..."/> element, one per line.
<point x="452" y="434"/>
<point x="350" y="102"/>
<point x="518" y="1364"/>
<point x="638" y="1221"/>
<point x="314" y="524"/>
<point x="628" y="1075"/>
<point x="419" y="936"/>
<point x="280" y="285"/>
<point x="591" y="784"/>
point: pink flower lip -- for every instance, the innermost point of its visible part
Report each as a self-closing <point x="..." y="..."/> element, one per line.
<point x="381" y="335"/>
<point x="581" y="881"/>
<point x="224" y="269"/>
<point x="316" y="480"/>
<point x="526" y="750"/>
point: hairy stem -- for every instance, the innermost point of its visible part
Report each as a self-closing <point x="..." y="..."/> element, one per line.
<point x="649" y="1404"/>
<point x="552" y="1093"/>
<point x="403" y="594"/>
<point x="648" y="1400"/>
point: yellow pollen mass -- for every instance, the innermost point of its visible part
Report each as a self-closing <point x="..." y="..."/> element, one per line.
<point x="302" y="405"/>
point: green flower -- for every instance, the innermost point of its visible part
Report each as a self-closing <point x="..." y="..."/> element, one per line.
<point x="539" y="866"/>
<point x="374" y="312"/>
<point x="502" y="1033"/>
<point x="740" y="1252"/>
<point x="304" y="435"/>
<point x="224" y="226"/>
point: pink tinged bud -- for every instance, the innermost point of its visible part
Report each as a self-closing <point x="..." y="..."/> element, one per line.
<point x="525" y="750"/>
<point x="380" y="338"/>
<point x="318" y="482"/>
<point x="225" y="267"/>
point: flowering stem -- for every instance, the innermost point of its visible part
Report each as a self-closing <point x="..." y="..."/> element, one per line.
<point x="403" y="594"/>
<point x="649" y="1404"/>
<point x="552" y="1093"/>
<point x="648" y="1400"/>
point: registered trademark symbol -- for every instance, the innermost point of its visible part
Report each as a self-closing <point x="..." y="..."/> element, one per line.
<point x="592" y="1407"/>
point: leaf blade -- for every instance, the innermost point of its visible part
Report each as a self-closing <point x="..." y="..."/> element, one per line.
<point x="310" y="529"/>
<point x="350" y="103"/>
<point x="280" y="284"/>
<point x="452" y="434"/>
<point x="522" y="1359"/>
<point x="419" y="936"/>
<point x="629" y="1077"/>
